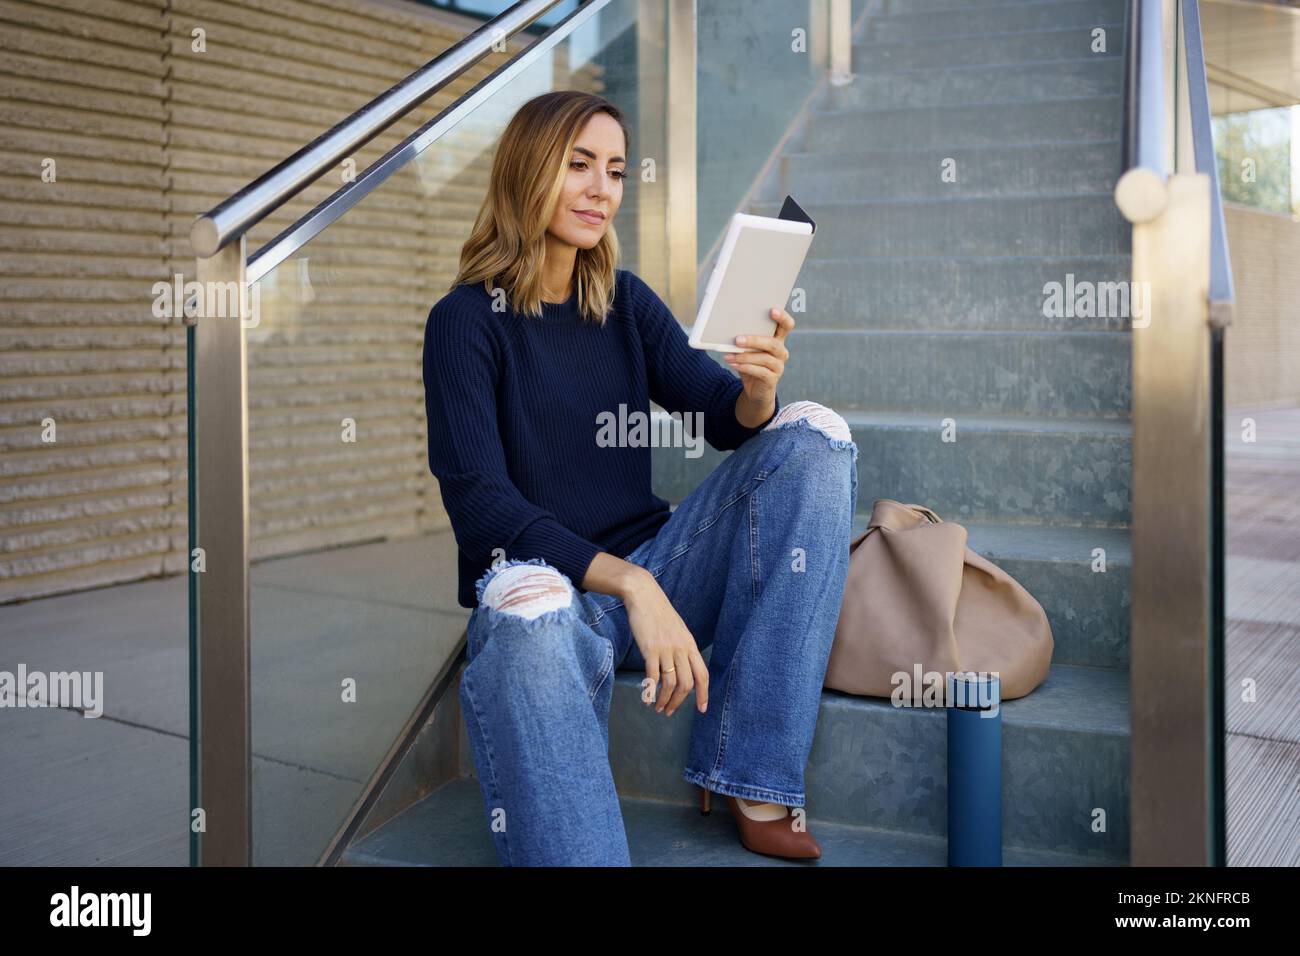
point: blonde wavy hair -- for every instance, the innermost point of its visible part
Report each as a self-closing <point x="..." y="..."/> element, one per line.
<point x="508" y="244"/>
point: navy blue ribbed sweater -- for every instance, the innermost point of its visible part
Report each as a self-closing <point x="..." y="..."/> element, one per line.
<point x="513" y="404"/>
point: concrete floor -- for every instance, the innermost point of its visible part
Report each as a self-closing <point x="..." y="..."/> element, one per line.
<point x="114" y="790"/>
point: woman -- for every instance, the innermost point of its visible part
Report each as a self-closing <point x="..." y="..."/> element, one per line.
<point x="572" y="566"/>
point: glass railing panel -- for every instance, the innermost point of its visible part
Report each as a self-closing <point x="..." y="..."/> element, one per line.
<point x="353" y="576"/>
<point x="753" y="81"/>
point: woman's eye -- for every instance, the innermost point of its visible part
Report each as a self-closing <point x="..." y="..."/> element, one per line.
<point x="581" y="164"/>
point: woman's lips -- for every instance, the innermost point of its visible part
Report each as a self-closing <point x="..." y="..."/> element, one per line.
<point x="592" y="217"/>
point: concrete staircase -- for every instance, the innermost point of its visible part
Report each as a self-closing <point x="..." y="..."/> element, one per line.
<point x="925" y="303"/>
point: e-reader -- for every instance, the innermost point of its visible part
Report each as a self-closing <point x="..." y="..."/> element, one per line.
<point x="756" y="269"/>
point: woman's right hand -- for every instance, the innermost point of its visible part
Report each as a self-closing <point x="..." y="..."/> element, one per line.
<point x="668" y="647"/>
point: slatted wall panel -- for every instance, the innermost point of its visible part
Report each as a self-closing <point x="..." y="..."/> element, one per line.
<point x="274" y="74"/>
<point x="154" y="131"/>
<point x="83" y="87"/>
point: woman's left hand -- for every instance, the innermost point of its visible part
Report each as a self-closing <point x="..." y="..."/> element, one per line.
<point x="761" y="370"/>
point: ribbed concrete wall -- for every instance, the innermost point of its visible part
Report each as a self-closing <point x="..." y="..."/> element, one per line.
<point x="145" y="132"/>
<point x="1263" y="342"/>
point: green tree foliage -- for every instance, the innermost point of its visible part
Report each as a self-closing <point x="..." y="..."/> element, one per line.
<point x="1254" y="155"/>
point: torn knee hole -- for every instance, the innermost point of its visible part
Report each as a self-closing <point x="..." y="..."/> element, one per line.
<point x="818" y="416"/>
<point x="527" y="590"/>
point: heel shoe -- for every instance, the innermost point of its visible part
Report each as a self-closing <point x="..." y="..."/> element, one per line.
<point x="768" y="837"/>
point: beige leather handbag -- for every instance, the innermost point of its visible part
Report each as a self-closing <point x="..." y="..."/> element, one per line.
<point x="916" y="594"/>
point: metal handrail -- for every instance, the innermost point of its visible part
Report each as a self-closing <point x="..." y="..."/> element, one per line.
<point x="1222" y="293"/>
<point x="1141" y="192"/>
<point x="236" y="215"/>
<point x="294" y="237"/>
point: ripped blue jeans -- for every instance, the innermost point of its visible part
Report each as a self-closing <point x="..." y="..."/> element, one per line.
<point x="754" y="561"/>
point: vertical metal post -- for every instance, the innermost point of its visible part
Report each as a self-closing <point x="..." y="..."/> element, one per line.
<point x="819" y="38"/>
<point x="221" y="483"/>
<point x="1170" y="666"/>
<point x="683" y="293"/>
<point x="841" y="42"/>
<point x="652" y="134"/>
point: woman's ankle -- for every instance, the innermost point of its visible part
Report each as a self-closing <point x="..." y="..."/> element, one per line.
<point x="761" y="812"/>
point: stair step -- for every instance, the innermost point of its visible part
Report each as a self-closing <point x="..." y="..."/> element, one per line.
<point x="1073" y="119"/>
<point x="1087" y="609"/>
<point x="1064" y="751"/>
<point x="971" y="292"/>
<point x="449" y="828"/>
<point x="1086" y="594"/>
<point x="982" y="84"/>
<point x="987" y="47"/>
<point x="1042" y="225"/>
<point x="982" y="172"/>
<point x="910" y="21"/>
<point x="1066" y="471"/>
<point x="962" y="373"/>
<point x="1059" y="470"/>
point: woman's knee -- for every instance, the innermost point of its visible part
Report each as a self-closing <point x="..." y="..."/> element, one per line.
<point x="525" y="589"/>
<point x="831" y="426"/>
<point x="813" y="415"/>
<point x="531" y="613"/>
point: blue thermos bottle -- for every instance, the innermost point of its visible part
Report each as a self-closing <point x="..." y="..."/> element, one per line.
<point x="974" y="769"/>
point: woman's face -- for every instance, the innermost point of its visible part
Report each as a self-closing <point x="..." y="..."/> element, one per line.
<point x="593" y="184"/>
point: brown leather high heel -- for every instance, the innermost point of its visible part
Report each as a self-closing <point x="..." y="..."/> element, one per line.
<point x="768" y="837"/>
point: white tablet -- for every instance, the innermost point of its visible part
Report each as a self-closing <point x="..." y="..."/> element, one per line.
<point x="755" y="272"/>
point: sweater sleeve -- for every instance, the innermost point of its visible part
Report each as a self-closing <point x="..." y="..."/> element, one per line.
<point x="685" y="379"/>
<point x="487" y="510"/>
